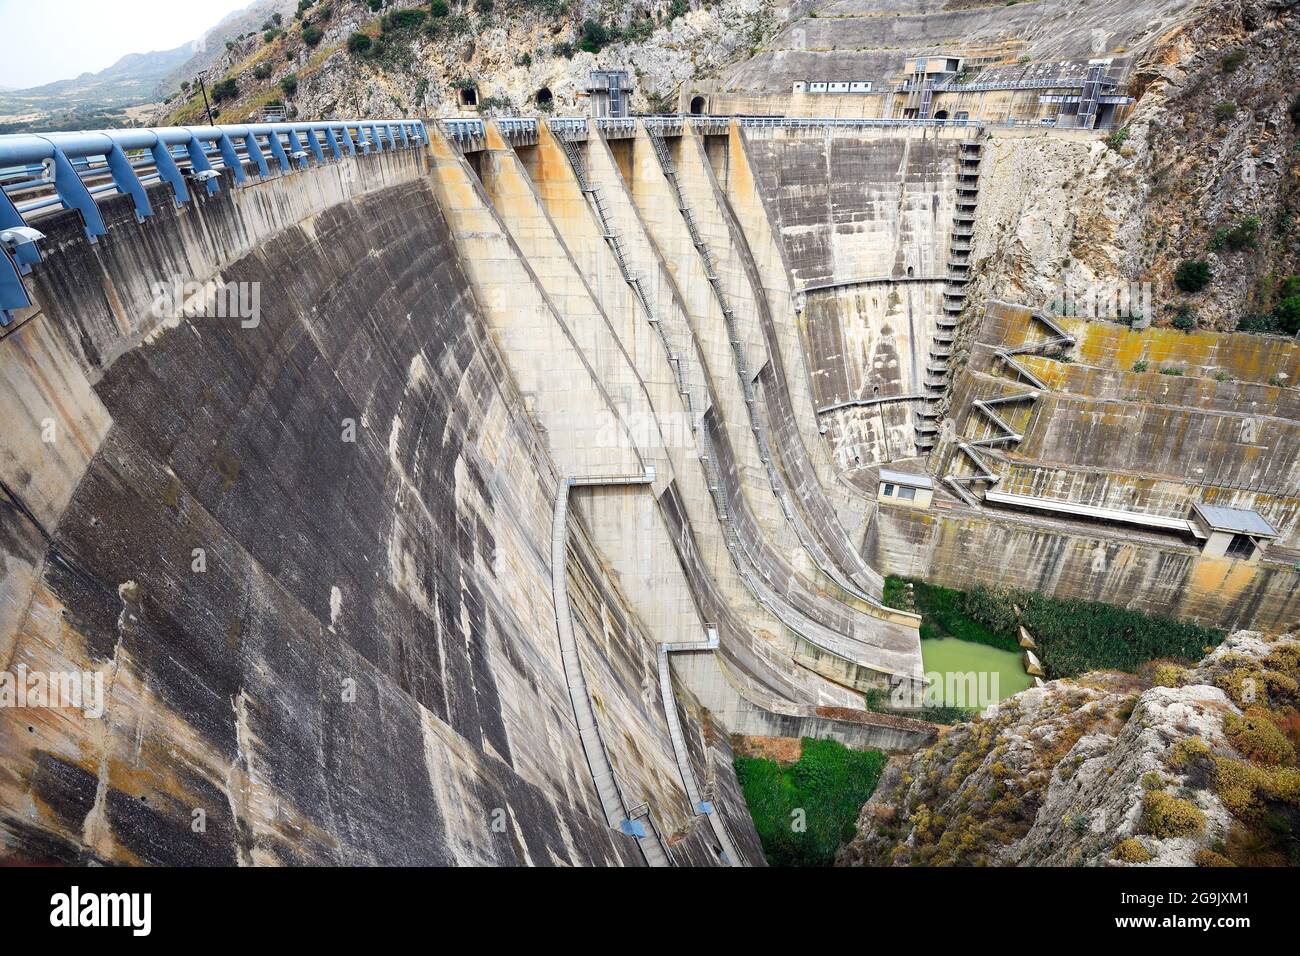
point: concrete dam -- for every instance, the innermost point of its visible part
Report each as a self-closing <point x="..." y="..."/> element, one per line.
<point x="451" y="492"/>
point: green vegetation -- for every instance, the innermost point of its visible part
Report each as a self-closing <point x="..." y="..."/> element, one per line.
<point x="1257" y="738"/>
<point x="312" y="34"/>
<point x="1294" y="111"/>
<point x="439" y="8"/>
<point x="1117" y="139"/>
<point x="1225" y="111"/>
<point x="1184" y="318"/>
<point x="227" y="89"/>
<point x="1140" y="365"/>
<point x="1233" y="60"/>
<point x="1243" y="236"/>
<point x="262" y="71"/>
<point x="1164" y="815"/>
<point x="1073" y="636"/>
<point x="1131" y="851"/>
<point x="289" y="84"/>
<point x="1192" y="275"/>
<point x="402" y="20"/>
<point x="358" y="43"/>
<point x="946" y="612"/>
<point x="803" y="812"/>
<point x="596" y="36"/>
<point x="1285" y="317"/>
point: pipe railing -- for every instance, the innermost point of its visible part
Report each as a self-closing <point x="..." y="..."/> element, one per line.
<point x="72" y="170"/>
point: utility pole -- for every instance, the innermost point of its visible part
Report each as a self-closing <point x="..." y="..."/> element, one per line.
<point x="207" y="108"/>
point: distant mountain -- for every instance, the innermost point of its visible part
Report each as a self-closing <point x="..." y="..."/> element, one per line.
<point x="105" y="98"/>
<point x="135" y="78"/>
<point x="235" y="24"/>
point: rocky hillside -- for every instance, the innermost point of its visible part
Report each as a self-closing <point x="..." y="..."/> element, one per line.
<point x="409" y="58"/>
<point x="1185" y="767"/>
<point x="1206" y="171"/>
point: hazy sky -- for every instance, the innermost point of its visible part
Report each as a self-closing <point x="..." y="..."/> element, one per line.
<point x="46" y="40"/>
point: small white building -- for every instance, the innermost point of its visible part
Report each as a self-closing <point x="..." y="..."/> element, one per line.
<point x="1231" y="532"/>
<point x="905" y="488"/>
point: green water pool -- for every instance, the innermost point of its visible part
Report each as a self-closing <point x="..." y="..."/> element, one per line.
<point x="965" y="674"/>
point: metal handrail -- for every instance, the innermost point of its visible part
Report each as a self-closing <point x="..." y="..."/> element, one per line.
<point x="69" y="170"/>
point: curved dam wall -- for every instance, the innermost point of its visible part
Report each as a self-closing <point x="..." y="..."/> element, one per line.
<point x="316" y="552"/>
<point x="310" y="558"/>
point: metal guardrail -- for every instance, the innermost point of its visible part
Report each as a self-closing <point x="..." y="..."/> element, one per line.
<point x="568" y="127"/>
<point x="1055" y="83"/>
<point x="619" y="127"/>
<point x="664" y="125"/>
<point x="465" y="130"/>
<point x="521" y="131"/>
<point x="72" y="170"/>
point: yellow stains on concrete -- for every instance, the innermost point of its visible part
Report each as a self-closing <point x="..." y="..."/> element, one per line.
<point x="1220" y="580"/>
<point x="1245" y="357"/>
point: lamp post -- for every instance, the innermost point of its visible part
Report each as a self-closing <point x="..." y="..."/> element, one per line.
<point x="206" y="107"/>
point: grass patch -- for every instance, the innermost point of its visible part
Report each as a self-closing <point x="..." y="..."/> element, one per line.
<point x="803" y="812"/>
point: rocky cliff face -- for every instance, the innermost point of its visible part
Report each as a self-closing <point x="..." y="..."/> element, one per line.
<point x="1198" y="768"/>
<point x="511" y="50"/>
<point x="1206" y="169"/>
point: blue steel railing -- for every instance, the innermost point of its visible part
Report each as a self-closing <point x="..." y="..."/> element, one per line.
<point x="465" y="130"/>
<point x="69" y="170"/>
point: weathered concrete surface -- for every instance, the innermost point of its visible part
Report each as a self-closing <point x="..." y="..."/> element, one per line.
<point x="778" y="410"/>
<point x="865" y="222"/>
<point x="363" y="666"/>
<point x="637" y="542"/>
<point x="1136" y="441"/>
<point x="870" y="39"/>
<point x="622" y="521"/>
<point x="849" y="630"/>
